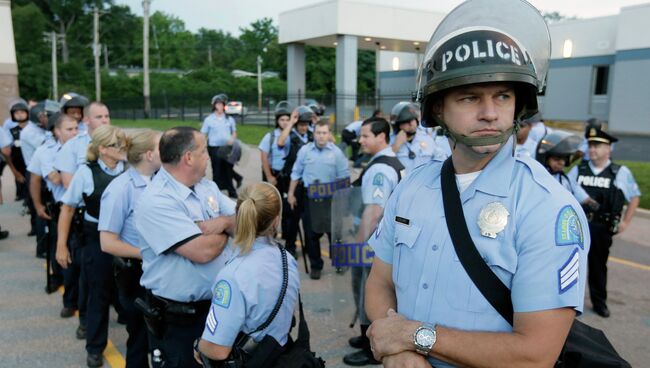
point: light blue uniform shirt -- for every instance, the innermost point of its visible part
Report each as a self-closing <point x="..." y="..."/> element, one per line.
<point x="118" y="204"/>
<point x="540" y="253"/>
<point x="8" y="124"/>
<point x="322" y="165"/>
<point x="423" y="147"/>
<point x="82" y="128"/>
<point x="355" y="127"/>
<point x="442" y="144"/>
<point x="624" y="180"/>
<point x="42" y="164"/>
<point x="572" y="186"/>
<point x="5" y="138"/>
<point x="219" y="129"/>
<point x="379" y="181"/>
<point x="82" y="183"/>
<point x="73" y="154"/>
<point x="246" y="291"/>
<point x="31" y="137"/>
<point x="166" y="215"/>
<point x="529" y="148"/>
<point x="277" y="154"/>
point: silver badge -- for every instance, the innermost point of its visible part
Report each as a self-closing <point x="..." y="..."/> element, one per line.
<point x="493" y="219"/>
<point x="214" y="205"/>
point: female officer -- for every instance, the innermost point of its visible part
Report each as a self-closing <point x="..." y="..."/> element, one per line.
<point x="248" y="287"/>
<point x="221" y="131"/>
<point x="119" y="236"/>
<point x="106" y="154"/>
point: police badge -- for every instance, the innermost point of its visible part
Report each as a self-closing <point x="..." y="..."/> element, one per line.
<point x="492" y="219"/>
<point x="214" y="205"/>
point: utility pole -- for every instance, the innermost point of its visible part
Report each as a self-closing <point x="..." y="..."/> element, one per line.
<point x="259" y="83"/>
<point x="145" y="58"/>
<point x="210" y="55"/>
<point x="96" y="52"/>
<point x="106" y="57"/>
<point x="55" y="73"/>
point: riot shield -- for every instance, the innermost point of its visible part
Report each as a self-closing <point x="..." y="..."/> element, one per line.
<point x="349" y="247"/>
<point x="319" y="203"/>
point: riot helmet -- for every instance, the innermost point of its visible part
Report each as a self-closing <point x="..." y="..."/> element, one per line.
<point x="221" y="97"/>
<point x="315" y="108"/>
<point x="560" y="144"/>
<point x="51" y="121"/>
<point x="486" y="41"/>
<point x="305" y="114"/>
<point x="283" y="108"/>
<point x="72" y="100"/>
<point x="404" y="112"/>
<point x="37" y="114"/>
<point x="18" y="104"/>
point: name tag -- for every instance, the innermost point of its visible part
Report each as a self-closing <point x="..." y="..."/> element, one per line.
<point x="326" y="190"/>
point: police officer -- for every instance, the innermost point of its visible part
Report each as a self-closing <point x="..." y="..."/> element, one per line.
<point x="412" y="146"/>
<point x="73" y="154"/>
<point x="611" y="186"/>
<point x="377" y="182"/>
<point x="73" y="105"/>
<point x="119" y="237"/>
<point x="106" y="155"/>
<point x="246" y="290"/>
<point x="221" y="131"/>
<point x="557" y="150"/>
<point x="479" y="79"/>
<point x="183" y="221"/>
<point x="351" y="134"/>
<point x="296" y="135"/>
<point x="47" y="196"/>
<point x="322" y="167"/>
<point x="20" y="116"/>
<point x="525" y="145"/>
<point x="538" y="129"/>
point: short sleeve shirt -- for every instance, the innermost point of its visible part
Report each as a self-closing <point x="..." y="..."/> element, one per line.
<point x="73" y="154"/>
<point x="167" y="214"/>
<point x="276" y="154"/>
<point x="219" y="129"/>
<point x="379" y="181"/>
<point x="320" y="165"/>
<point x="246" y="291"/>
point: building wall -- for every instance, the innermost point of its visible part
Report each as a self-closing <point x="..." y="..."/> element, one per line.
<point x="8" y="66"/>
<point x="630" y="105"/>
<point x="396" y="87"/>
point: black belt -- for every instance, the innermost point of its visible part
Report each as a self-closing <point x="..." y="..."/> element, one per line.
<point x="180" y="312"/>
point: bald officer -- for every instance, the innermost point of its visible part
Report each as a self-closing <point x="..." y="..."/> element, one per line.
<point x="183" y="221"/>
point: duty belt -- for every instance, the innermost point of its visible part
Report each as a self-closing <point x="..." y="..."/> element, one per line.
<point x="180" y="312"/>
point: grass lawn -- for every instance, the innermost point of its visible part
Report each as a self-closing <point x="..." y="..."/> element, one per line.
<point x="249" y="134"/>
<point x="252" y="134"/>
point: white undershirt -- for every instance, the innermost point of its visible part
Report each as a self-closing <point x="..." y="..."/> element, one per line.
<point x="146" y="178"/>
<point x="465" y="180"/>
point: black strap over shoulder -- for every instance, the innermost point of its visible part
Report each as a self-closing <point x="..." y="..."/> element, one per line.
<point x="495" y="291"/>
<point x="391" y="161"/>
<point x="283" y="292"/>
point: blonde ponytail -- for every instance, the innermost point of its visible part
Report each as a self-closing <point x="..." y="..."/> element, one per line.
<point x="104" y="136"/>
<point x="258" y="206"/>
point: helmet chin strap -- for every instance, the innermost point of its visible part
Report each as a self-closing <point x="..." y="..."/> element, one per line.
<point x="480" y="141"/>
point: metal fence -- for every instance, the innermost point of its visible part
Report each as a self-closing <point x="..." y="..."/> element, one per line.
<point x="191" y="107"/>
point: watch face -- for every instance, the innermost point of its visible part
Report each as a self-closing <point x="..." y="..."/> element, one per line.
<point x="425" y="337"/>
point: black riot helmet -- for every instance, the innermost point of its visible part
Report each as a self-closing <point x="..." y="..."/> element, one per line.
<point x="283" y="108"/>
<point x="305" y="114"/>
<point x="51" y="120"/>
<point x="486" y="41"/>
<point x="558" y="143"/>
<point x="221" y="97"/>
<point x="404" y="112"/>
<point x="18" y="104"/>
<point x="72" y="99"/>
<point x="37" y="112"/>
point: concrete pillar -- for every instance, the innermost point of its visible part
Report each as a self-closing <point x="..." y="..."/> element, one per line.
<point x="296" y="73"/>
<point x="8" y="65"/>
<point x="346" y="79"/>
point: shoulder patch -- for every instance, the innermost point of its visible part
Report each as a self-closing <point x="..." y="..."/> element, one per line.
<point x="211" y="322"/>
<point x="568" y="230"/>
<point x="378" y="179"/>
<point x="568" y="274"/>
<point x="222" y="294"/>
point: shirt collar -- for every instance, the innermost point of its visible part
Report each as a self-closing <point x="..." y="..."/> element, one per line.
<point x="181" y="189"/>
<point x="262" y="242"/>
<point x="388" y="151"/>
<point x="495" y="177"/>
<point x="136" y="178"/>
<point x="594" y="169"/>
<point x="329" y="145"/>
<point x="118" y="168"/>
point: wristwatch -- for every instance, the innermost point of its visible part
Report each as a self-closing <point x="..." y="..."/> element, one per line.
<point x="424" y="338"/>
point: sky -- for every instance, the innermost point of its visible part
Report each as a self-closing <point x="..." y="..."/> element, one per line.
<point x="231" y="15"/>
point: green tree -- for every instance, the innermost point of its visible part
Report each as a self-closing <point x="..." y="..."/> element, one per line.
<point x="173" y="46"/>
<point x="33" y="52"/>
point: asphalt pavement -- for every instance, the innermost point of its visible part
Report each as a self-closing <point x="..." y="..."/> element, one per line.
<point x="33" y="335"/>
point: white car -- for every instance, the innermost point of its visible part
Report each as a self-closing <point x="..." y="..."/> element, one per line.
<point x="235" y="108"/>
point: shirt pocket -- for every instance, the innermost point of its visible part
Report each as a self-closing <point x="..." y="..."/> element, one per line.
<point x="462" y="294"/>
<point x="404" y="255"/>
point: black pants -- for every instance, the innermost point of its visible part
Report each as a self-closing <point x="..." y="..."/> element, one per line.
<point x="312" y="238"/>
<point x="98" y="269"/>
<point x="75" y="293"/>
<point x="222" y="172"/>
<point x="601" y="241"/>
<point x="32" y="212"/>
<point x="49" y="242"/>
<point x="137" y="345"/>
<point x="176" y="343"/>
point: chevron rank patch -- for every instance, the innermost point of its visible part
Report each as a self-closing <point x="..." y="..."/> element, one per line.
<point x="222" y="294"/>
<point x="568" y="274"/>
<point x="568" y="230"/>
<point x="211" y="322"/>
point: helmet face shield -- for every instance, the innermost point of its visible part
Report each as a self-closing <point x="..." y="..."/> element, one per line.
<point x="72" y="99"/>
<point x="283" y="108"/>
<point x="305" y="114"/>
<point x="558" y="144"/>
<point x="221" y="97"/>
<point x="483" y="41"/>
